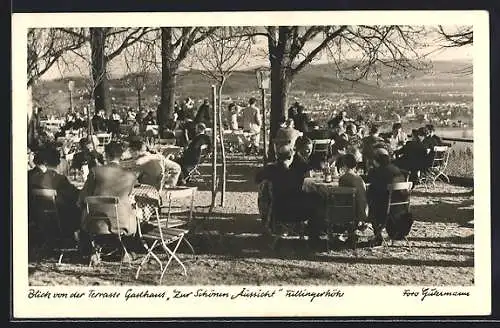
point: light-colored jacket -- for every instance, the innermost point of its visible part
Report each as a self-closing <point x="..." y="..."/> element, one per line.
<point x="251" y="119"/>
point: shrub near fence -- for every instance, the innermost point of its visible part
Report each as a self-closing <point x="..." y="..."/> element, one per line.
<point x="461" y="161"/>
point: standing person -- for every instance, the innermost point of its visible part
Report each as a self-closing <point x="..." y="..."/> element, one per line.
<point x="302" y="120"/>
<point x="252" y="122"/>
<point x="204" y="114"/>
<point x="99" y="122"/>
<point x="188" y="108"/>
<point x="114" y="123"/>
<point x="233" y="117"/>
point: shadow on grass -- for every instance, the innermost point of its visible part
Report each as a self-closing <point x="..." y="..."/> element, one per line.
<point x="444" y="212"/>
<point x="257" y="247"/>
<point x="451" y="240"/>
<point x="240" y="177"/>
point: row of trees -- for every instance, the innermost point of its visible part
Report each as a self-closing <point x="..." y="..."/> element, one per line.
<point x="358" y="52"/>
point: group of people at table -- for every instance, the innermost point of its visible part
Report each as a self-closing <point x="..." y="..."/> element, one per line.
<point x="121" y="169"/>
<point x="382" y="161"/>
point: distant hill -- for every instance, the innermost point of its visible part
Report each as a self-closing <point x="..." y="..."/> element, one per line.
<point x="441" y="81"/>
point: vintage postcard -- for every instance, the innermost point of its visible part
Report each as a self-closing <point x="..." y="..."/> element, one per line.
<point x="251" y="164"/>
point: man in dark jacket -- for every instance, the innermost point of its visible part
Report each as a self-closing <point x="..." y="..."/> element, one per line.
<point x="414" y="156"/>
<point x="45" y="176"/>
<point x="379" y="177"/>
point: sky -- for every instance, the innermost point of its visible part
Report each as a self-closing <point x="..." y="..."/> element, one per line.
<point x="257" y="58"/>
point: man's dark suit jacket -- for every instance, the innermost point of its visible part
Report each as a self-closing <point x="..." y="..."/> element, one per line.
<point x="379" y="178"/>
<point x="67" y="194"/>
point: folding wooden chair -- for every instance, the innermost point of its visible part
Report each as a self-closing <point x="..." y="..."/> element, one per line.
<point x="398" y="202"/>
<point x="103" y="226"/>
<point x="274" y="227"/>
<point x="438" y="165"/>
<point x="47" y="220"/>
<point x="341" y="211"/>
<point x="158" y="233"/>
<point x="322" y="146"/>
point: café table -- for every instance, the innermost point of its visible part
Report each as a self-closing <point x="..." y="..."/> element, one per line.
<point x="323" y="191"/>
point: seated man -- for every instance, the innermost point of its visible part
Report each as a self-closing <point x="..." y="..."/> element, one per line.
<point x="151" y="168"/>
<point x="45" y="176"/>
<point x="414" y="156"/>
<point x="290" y="203"/>
<point x="379" y="177"/>
<point x="86" y="156"/>
<point x="431" y="140"/>
<point x="192" y="154"/>
<point x="112" y="180"/>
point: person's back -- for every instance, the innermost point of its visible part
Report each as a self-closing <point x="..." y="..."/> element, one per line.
<point x="250" y="119"/>
<point x="113" y="180"/>
<point x="203" y="115"/>
<point x="352" y="180"/>
<point x="51" y="179"/>
<point x="302" y="122"/>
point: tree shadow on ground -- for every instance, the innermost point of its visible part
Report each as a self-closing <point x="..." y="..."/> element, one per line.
<point x="430" y="193"/>
<point x="450" y="240"/>
<point x="240" y="178"/>
<point x="444" y="212"/>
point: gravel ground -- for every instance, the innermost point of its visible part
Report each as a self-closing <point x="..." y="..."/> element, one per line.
<point x="230" y="248"/>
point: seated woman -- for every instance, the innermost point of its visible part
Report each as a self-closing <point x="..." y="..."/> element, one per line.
<point x="350" y="179"/>
<point x="45" y="176"/>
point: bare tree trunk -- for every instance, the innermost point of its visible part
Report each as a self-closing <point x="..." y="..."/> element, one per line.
<point x="223" y="152"/>
<point x="214" y="145"/>
<point x="97" y="44"/>
<point x="168" y="79"/>
<point x="280" y="86"/>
